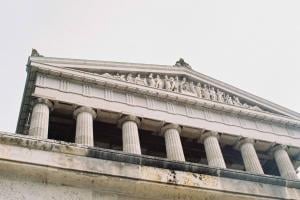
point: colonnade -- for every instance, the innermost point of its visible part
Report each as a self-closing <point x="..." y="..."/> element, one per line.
<point x="171" y="132"/>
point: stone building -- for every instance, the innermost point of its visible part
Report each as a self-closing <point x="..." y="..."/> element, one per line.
<point x="109" y="130"/>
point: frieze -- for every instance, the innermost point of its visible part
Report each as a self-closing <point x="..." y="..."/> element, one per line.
<point x="184" y="86"/>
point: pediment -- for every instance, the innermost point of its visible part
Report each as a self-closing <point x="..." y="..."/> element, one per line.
<point x="178" y="79"/>
<point x="183" y="85"/>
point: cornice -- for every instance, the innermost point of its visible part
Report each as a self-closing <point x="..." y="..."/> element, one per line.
<point x="92" y="64"/>
<point x="131" y="87"/>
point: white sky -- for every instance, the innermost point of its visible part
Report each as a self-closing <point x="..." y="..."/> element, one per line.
<point x="253" y="45"/>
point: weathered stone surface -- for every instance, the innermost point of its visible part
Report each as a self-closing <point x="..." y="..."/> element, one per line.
<point x="84" y="126"/>
<point x="130" y="134"/>
<point x="213" y="150"/>
<point x="251" y="161"/>
<point x="165" y="98"/>
<point x="284" y="163"/>
<point x="173" y="142"/>
<point x="29" y="165"/>
<point x="40" y="119"/>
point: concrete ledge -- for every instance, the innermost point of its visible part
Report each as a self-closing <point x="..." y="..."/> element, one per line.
<point x="140" y="160"/>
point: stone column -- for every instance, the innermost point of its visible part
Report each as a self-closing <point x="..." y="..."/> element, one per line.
<point x="212" y="149"/>
<point x="40" y="118"/>
<point x="173" y="142"/>
<point x="251" y="161"/>
<point x="84" y="125"/>
<point x="130" y="134"/>
<point x="284" y="163"/>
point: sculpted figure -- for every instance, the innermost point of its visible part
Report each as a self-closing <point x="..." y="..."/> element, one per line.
<point x="130" y="78"/>
<point x="192" y="87"/>
<point x="236" y="101"/>
<point x="198" y="89"/>
<point x="229" y="99"/>
<point x="220" y="96"/>
<point x="182" y="63"/>
<point x="158" y="82"/>
<point x="139" y="80"/>
<point x="205" y="92"/>
<point x="245" y="105"/>
<point x="122" y="77"/>
<point x="172" y="84"/>
<point x="177" y="84"/>
<point x="183" y="85"/>
<point x="145" y="81"/>
<point x="117" y="76"/>
<point x="151" y="80"/>
<point x="213" y="95"/>
<point x="167" y="83"/>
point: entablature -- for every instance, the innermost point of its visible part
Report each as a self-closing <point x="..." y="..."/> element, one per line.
<point x="111" y="83"/>
<point x="105" y="94"/>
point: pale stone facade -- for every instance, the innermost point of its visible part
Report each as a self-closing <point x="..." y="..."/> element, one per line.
<point x="108" y="130"/>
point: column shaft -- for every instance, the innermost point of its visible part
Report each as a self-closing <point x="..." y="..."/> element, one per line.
<point x="39" y="121"/>
<point x="84" y="126"/>
<point x="173" y="144"/>
<point x="130" y="135"/>
<point x="213" y="151"/>
<point x="284" y="164"/>
<point x="251" y="161"/>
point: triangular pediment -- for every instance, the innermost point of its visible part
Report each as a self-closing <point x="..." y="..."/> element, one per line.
<point x="178" y="79"/>
<point x="186" y="85"/>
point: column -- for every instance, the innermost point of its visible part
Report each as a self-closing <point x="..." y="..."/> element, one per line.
<point x="40" y="118"/>
<point x="130" y="134"/>
<point x="84" y="125"/>
<point x="212" y="149"/>
<point x="250" y="158"/>
<point x="173" y="142"/>
<point x="284" y="163"/>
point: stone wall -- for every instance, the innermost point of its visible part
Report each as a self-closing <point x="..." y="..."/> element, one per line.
<point x="45" y="169"/>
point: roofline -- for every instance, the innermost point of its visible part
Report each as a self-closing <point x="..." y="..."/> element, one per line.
<point x="92" y="62"/>
<point x="95" y="63"/>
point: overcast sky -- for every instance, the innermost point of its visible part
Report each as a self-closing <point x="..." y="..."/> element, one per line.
<point x="253" y="45"/>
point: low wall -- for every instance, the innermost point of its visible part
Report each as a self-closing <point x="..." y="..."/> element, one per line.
<point x="47" y="169"/>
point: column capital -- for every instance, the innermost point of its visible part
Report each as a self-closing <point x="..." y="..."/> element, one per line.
<point x="170" y="126"/>
<point x="243" y="141"/>
<point x="209" y="134"/>
<point x="44" y="101"/>
<point x="278" y="147"/>
<point x="85" y="109"/>
<point x="126" y="118"/>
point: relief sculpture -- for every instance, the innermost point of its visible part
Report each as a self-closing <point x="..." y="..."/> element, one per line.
<point x="151" y="80"/>
<point x="213" y="95"/>
<point x="167" y="83"/>
<point x="199" y="90"/>
<point x="182" y="85"/>
<point x="206" y="93"/>
<point x="220" y="96"/>
<point x="158" y="82"/>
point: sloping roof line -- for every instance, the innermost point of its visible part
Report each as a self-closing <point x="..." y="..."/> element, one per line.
<point x="92" y="65"/>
